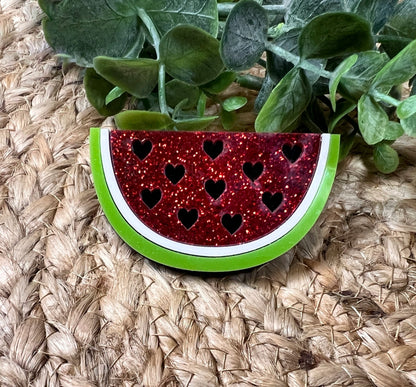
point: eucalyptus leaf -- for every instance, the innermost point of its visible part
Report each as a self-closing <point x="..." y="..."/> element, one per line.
<point x="336" y="76"/>
<point x="286" y="103"/>
<point x="398" y="70"/>
<point x="143" y="120"/>
<point x="193" y="124"/>
<point x="335" y="34"/>
<point x="97" y="89"/>
<point x="407" y="107"/>
<point x="400" y="26"/>
<point x="168" y="14"/>
<point x="301" y="11"/>
<point x="244" y="36"/>
<point x="234" y="103"/>
<point x="372" y="119"/>
<point x="191" y="55"/>
<point x="136" y="76"/>
<point x="358" y="79"/>
<point x="177" y="91"/>
<point x="84" y="29"/>
<point x="219" y="84"/>
<point x="377" y="12"/>
<point x="386" y="158"/>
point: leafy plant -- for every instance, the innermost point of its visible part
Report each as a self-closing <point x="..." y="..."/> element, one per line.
<point x="333" y="66"/>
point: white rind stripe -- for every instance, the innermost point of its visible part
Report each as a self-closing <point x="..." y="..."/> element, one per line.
<point x="209" y="251"/>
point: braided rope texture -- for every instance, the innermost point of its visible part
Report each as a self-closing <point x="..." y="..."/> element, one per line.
<point x="79" y="308"/>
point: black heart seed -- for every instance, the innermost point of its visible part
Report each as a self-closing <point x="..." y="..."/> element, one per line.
<point x="253" y="171"/>
<point x="151" y="198"/>
<point x="213" y="149"/>
<point x="141" y="148"/>
<point x="215" y="188"/>
<point x="188" y="218"/>
<point x="232" y="223"/>
<point x="174" y="173"/>
<point x="292" y="152"/>
<point x="272" y="201"/>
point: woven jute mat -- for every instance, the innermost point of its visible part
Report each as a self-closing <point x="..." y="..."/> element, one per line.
<point x="79" y="308"/>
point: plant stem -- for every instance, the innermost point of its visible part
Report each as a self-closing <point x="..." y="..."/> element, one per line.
<point x="151" y="28"/>
<point x="161" y="90"/>
<point x="392" y="39"/>
<point x="384" y="98"/>
<point x="225" y="8"/>
<point x="162" y="73"/>
<point x="296" y="60"/>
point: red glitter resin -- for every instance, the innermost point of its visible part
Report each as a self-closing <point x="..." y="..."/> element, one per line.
<point x="255" y="181"/>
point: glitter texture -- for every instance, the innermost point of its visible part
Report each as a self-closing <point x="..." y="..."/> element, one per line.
<point x="181" y="177"/>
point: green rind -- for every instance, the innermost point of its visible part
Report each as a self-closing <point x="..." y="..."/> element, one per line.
<point x="208" y="264"/>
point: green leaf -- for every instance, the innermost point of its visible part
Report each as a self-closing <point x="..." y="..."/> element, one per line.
<point x="97" y="89"/>
<point x="401" y="25"/>
<point x="136" y="76"/>
<point x="301" y="11"/>
<point x="249" y="81"/>
<point x="346" y="144"/>
<point x="143" y="120"/>
<point x="48" y="6"/>
<point x="115" y="93"/>
<point x="201" y="105"/>
<point x="228" y="119"/>
<point x="286" y="103"/>
<point x="409" y="125"/>
<point x="221" y="83"/>
<point x="398" y="70"/>
<point x="234" y="103"/>
<point x="386" y="158"/>
<point x="372" y="119"/>
<point x="394" y="131"/>
<point x="194" y="124"/>
<point x="342" y="109"/>
<point x="335" y="34"/>
<point x="264" y="93"/>
<point x="315" y="113"/>
<point x="245" y="34"/>
<point x="177" y="91"/>
<point x="168" y="14"/>
<point x="358" y="79"/>
<point x="336" y="76"/>
<point x="84" y="29"/>
<point x="377" y="12"/>
<point x="191" y="55"/>
<point x="278" y="67"/>
<point x="407" y="107"/>
<point x="412" y="85"/>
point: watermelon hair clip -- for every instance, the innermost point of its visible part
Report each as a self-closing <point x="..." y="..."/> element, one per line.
<point x="212" y="201"/>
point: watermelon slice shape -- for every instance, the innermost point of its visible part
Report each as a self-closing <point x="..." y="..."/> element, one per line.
<point x="212" y="201"/>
